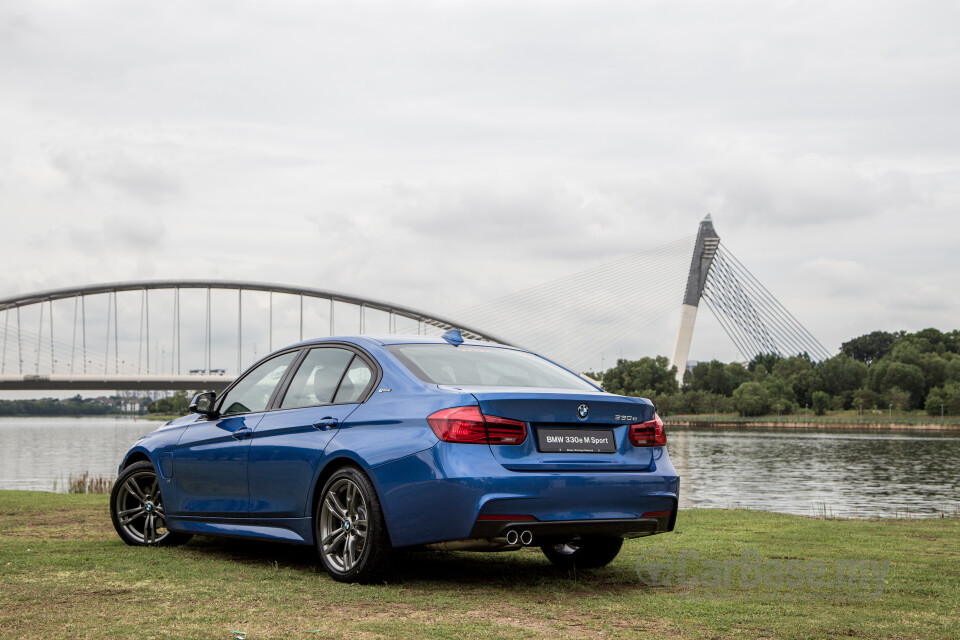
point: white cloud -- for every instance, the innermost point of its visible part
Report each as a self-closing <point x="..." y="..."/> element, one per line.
<point x="440" y="155"/>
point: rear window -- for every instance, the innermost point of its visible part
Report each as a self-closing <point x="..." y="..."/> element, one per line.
<point x="470" y="366"/>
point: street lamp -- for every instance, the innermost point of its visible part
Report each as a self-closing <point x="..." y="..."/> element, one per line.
<point x="891" y="412"/>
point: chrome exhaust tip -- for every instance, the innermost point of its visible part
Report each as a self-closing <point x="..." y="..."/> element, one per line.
<point x="512" y="537"/>
<point x="526" y="537"/>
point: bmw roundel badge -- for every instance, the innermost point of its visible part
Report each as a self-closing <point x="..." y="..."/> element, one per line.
<point x="583" y="411"/>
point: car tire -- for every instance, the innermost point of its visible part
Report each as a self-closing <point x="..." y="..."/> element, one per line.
<point x="136" y="509"/>
<point x="587" y="552"/>
<point x="349" y="529"/>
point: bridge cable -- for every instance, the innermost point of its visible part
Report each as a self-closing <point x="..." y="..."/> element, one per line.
<point x="752" y="316"/>
<point x="803" y="337"/>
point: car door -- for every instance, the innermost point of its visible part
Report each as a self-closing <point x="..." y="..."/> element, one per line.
<point x="288" y="443"/>
<point x="210" y="461"/>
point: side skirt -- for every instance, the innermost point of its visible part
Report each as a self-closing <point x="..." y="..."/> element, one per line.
<point x="293" y="530"/>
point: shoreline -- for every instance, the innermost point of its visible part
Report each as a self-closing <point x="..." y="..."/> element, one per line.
<point x="811" y="426"/>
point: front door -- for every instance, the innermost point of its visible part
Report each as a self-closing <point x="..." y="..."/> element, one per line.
<point x="210" y="461"/>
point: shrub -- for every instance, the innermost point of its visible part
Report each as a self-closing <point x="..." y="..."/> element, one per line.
<point x="821" y="402"/>
<point x="751" y="399"/>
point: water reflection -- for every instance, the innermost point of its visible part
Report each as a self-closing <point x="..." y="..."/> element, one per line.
<point x="814" y="472"/>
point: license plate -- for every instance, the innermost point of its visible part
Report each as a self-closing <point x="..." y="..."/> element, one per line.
<point x="576" y="441"/>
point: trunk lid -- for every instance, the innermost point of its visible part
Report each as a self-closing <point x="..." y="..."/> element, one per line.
<point x="568" y="430"/>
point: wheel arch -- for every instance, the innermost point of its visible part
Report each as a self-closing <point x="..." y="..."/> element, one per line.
<point x="330" y="468"/>
<point x="135" y="456"/>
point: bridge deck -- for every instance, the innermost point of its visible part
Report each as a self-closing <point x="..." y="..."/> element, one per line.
<point x="116" y="382"/>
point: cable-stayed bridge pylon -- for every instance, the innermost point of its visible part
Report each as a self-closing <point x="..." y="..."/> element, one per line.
<point x="751" y="316"/>
<point x="574" y="318"/>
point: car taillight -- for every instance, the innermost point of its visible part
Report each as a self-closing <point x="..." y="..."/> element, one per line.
<point x="468" y="425"/>
<point x="649" y="433"/>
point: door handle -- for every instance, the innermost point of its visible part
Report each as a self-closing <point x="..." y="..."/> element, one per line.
<point x="245" y="432"/>
<point x="326" y="423"/>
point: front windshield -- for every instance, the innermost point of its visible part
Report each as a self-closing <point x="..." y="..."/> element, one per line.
<point x="471" y="366"/>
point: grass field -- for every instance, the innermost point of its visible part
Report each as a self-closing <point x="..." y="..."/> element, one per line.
<point x="65" y="574"/>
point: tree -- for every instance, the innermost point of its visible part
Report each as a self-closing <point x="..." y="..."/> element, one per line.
<point x="766" y="360"/>
<point x="798" y="372"/>
<point x="945" y="398"/>
<point x="736" y="374"/>
<point x="646" y="376"/>
<point x="907" y="350"/>
<point x="952" y="371"/>
<point x="176" y="404"/>
<point x="751" y="399"/>
<point x="700" y="402"/>
<point x="780" y="392"/>
<point x="717" y="377"/>
<point x="864" y="398"/>
<point x="931" y="341"/>
<point x="934" y="369"/>
<point x="842" y="373"/>
<point x="904" y="377"/>
<point x="870" y="347"/>
<point x="897" y="398"/>
<point x="821" y="402"/>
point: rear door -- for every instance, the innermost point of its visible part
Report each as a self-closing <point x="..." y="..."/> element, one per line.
<point x="289" y="442"/>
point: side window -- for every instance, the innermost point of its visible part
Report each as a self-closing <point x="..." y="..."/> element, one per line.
<point x="252" y="393"/>
<point x="354" y="383"/>
<point x="317" y="378"/>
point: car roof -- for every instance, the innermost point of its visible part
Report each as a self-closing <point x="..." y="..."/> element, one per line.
<point x="385" y="340"/>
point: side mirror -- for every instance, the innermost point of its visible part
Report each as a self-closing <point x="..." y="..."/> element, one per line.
<point x="203" y="404"/>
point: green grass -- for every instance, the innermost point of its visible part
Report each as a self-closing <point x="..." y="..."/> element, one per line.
<point x="65" y="574"/>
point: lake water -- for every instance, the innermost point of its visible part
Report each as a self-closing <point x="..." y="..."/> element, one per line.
<point x="36" y="452"/>
<point x="838" y="473"/>
<point x="804" y="472"/>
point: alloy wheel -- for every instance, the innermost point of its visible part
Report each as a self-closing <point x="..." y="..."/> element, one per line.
<point x="139" y="509"/>
<point x="343" y="525"/>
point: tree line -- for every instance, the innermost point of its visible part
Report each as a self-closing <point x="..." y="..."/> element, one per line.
<point x="75" y="406"/>
<point x="78" y="406"/>
<point x="879" y="370"/>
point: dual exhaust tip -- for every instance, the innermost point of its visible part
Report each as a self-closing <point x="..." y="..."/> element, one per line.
<point x="525" y="537"/>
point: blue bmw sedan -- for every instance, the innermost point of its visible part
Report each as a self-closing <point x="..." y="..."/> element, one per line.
<point x="364" y="446"/>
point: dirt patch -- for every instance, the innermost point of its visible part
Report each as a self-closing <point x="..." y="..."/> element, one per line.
<point x="58" y="524"/>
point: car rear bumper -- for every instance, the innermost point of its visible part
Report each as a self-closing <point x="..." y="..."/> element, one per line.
<point x="459" y="492"/>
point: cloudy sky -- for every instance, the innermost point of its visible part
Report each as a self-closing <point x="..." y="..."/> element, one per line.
<point x="441" y="154"/>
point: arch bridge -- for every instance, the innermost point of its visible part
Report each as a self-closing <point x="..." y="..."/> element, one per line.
<point x="103" y="336"/>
